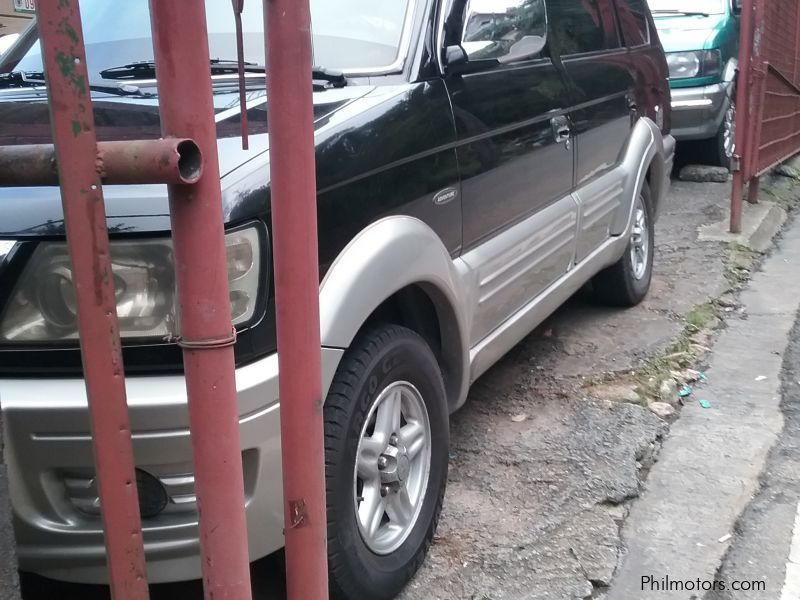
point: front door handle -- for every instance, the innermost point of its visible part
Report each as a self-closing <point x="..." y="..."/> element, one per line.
<point x="561" y="129"/>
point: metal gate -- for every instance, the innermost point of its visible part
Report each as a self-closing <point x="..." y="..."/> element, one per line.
<point x="768" y="94"/>
<point x="186" y="159"/>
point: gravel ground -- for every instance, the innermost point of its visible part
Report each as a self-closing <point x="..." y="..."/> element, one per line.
<point x="533" y="508"/>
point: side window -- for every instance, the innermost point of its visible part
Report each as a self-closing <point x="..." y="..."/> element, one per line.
<point x="581" y="26"/>
<point x="504" y="30"/>
<point x="633" y="22"/>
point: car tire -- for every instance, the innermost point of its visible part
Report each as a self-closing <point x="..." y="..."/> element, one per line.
<point x="719" y="150"/>
<point x="388" y="382"/>
<point x="626" y="282"/>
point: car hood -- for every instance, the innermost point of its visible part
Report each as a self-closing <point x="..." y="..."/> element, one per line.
<point x="37" y="211"/>
<point x="682" y="33"/>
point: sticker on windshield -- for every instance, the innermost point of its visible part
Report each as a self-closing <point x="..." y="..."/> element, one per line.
<point x="26" y="6"/>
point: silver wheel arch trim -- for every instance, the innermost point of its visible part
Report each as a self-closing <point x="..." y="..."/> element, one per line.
<point x="387" y="256"/>
<point x="644" y="154"/>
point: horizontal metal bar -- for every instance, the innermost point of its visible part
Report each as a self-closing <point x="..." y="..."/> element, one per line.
<point x="780" y="140"/>
<point x="782" y="95"/>
<point x="783" y="158"/>
<point x="780" y="75"/>
<point x="781" y="117"/>
<point x="169" y="160"/>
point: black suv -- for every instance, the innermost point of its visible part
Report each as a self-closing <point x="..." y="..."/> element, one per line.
<point x="478" y="162"/>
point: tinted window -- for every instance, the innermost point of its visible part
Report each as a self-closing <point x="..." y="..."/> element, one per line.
<point x="580" y="26"/>
<point x="633" y="22"/>
<point x="506" y="30"/>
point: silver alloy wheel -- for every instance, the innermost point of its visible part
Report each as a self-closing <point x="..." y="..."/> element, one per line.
<point x="640" y="240"/>
<point x="729" y="131"/>
<point x="393" y="463"/>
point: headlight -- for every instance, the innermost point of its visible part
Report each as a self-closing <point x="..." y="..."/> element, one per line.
<point x="43" y="306"/>
<point x="700" y="63"/>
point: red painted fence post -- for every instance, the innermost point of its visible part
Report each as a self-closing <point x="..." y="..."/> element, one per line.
<point x="180" y="41"/>
<point x="294" y="220"/>
<point x="756" y="112"/>
<point x="73" y="126"/>
<point x="742" y="154"/>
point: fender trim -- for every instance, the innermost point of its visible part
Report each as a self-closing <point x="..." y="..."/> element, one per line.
<point x="387" y="256"/>
<point x="645" y="150"/>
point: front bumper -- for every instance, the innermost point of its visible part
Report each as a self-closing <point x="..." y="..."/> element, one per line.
<point x="53" y="492"/>
<point x="697" y="112"/>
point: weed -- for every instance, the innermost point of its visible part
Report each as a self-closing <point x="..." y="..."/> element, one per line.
<point x="739" y="263"/>
<point x="701" y="316"/>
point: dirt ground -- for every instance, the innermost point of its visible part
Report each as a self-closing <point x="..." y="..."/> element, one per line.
<point x="541" y="471"/>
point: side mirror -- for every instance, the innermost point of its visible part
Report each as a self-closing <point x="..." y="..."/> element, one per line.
<point x="457" y="62"/>
<point x="737" y="6"/>
<point x="455" y="56"/>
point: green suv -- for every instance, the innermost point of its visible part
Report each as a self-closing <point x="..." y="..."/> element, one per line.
<point x="701" y="41"/>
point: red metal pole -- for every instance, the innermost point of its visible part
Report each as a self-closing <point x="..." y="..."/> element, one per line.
<point x="184" y="84"/>
<point x="743" y="84"/>
<point x="757" y="89"/>
<point x="84" y="215"/>
<point x="294" y="221"/>
<point x="753" y="190"/>
<point x="759" y="83"/>
<point x="736" y="202"/>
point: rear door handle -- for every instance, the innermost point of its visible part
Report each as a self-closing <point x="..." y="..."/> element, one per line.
<point x="561" y="129"/>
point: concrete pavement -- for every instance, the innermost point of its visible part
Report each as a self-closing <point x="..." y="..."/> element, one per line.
<point x="766" y="542"/>
<point x="710" y="464"/>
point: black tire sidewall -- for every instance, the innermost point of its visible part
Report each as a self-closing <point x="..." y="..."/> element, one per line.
<point x="405" y="357"/>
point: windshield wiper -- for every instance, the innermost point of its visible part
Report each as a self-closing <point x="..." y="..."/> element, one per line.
<point x="33" y="79"/>
<point x="686" y="13"/>
<point x="147" y="70"/>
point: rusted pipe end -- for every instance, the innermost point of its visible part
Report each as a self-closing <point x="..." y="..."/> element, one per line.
<point x="166" y="160"/>
<point x="190" y="161"/>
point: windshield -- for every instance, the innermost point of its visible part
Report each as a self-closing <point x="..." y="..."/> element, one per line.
<point x="711" y="7"/>
<point x="348" y="35"/>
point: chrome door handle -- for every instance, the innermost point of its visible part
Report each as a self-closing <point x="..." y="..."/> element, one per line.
<point x="561" y="129"/>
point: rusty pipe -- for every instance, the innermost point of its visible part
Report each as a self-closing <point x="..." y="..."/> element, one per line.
<point x="180" y="42"/>
<point x="167" y="160"/>
<point x="74" y="133"/>
<point x="294" y="236"/>
<point x="742" y="157"/>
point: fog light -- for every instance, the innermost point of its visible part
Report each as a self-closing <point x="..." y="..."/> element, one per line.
<point x="153" y="497"/>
